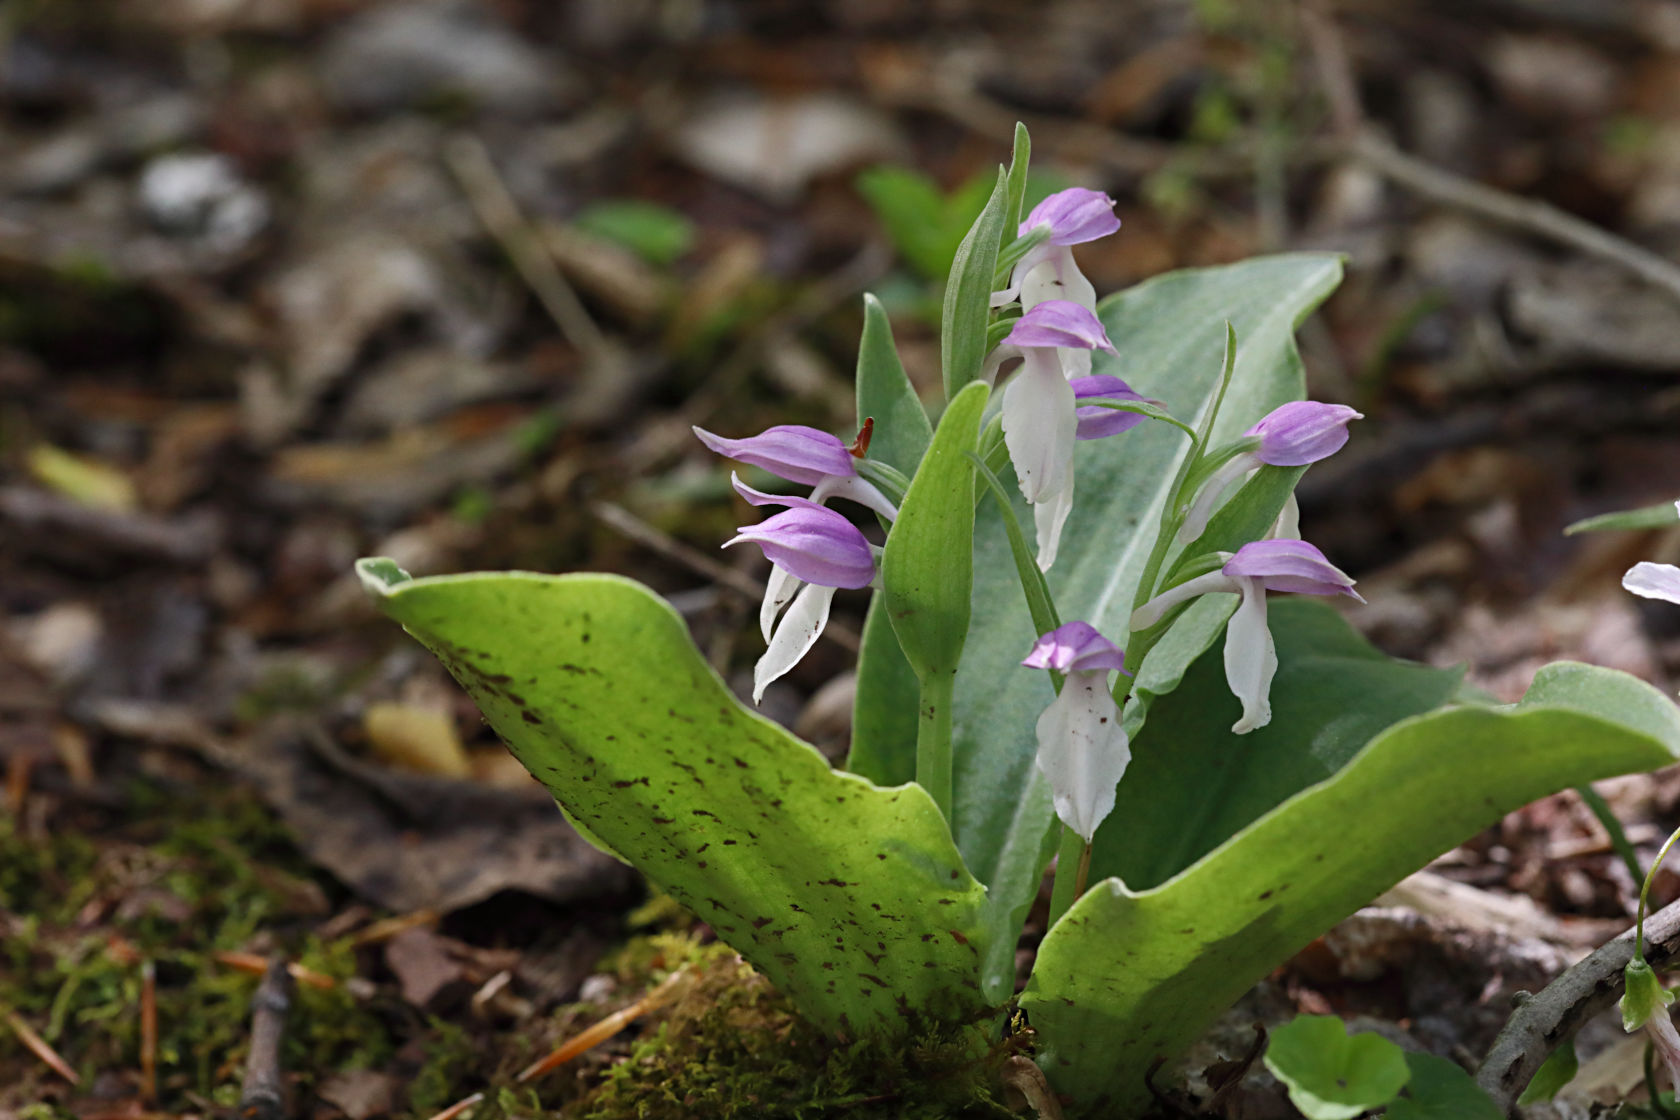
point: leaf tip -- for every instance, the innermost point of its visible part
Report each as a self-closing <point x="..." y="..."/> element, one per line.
<point x="380" y="575"/>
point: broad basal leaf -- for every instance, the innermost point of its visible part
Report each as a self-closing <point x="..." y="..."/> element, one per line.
<point x="850" y="897"/>
<point x="1129" y="977"/>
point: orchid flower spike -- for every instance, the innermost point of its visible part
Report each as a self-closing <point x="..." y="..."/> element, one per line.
<point x="1082" y="752"/>
<point x="1250" y="654"/>
<point x="1071" y="217"/>
<point x="1291" y="435"/>
<point x="1040" y="421"/>
<point x="807" y="456"/>
<point x="1645" y="1003"/>
<point x="813" y="550"/>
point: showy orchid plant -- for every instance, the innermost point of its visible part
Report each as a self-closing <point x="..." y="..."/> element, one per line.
<point x="1038" y="687"/>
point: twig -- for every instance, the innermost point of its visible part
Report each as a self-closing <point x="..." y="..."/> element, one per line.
<point x="621" y="520"/>
<point x="386" y="928"/>
<point x="1543" y="1021"/>
<point x="1439" y="185"/>
<point x="606" y="1028"/>
<point x="37" y="1046"/>
<point x="262" y="1093"/>
<point x="148" y="1030"/>
<point x="252" y="963"/>
<point x="459" y="1107"/>
<point x="1526" y="214"/>
<point x="499" y="213"/>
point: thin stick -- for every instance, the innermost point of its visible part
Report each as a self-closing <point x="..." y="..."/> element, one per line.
<point x="459" y="1107"/>
<point x="1439" y="185"/>
<point x="148" y="1030"/>
<point x="605" y="1029"/>
<point x="497" y="210"/>
<point x="262" y="1093"/>
<point x="37" y="1046"/>
<point x="387" y="928"/>
<point x="1084" y="876"/>
<point x="1541" y="1022"/>
<point x="258" y="966"/>
<point x="1527" y="214"/>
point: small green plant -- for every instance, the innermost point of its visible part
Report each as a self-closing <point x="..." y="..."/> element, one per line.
<point x="1331" y="1075"/>
<point x="653" y="232"/>
<point x="1244" y="775"/>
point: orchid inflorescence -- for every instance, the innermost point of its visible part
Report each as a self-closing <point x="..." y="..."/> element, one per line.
<point x="1048" y="405"/>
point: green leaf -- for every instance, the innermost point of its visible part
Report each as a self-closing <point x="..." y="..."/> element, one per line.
<point x="884" y="391"/>
<point x="1129" y="976"/>
<point x="656" y="233"/>
<point x="1037" y="592"/>
<point x="1558" y="1070"/>
<point x="927" y="576"/>
<point x="1171" y="333"/>
<point x="1332" y="1075"/>
<point x="850" y="897"/>
<point x="968" y="294"/>
<point x="1192" y="783"/>
<point x="1441" y="1090"/>
<point x="1016" y="191"/>
<point x="924" y="225"/>
<point x="884" y="710"/>
<point x="1647" y="517"/>
<point x="925" y="572"/>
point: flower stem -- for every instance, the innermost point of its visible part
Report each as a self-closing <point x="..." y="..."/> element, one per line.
<point x="933" y="739"/>
<point x="1645" y="892"/>
<point x="1073" y="866"/>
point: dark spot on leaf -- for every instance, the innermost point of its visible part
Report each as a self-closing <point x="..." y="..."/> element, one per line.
<point x="760" y="923"/>
<point x="1264" y="895"/>
<point x="529" y="716"/>
<point x="957" y="937"/>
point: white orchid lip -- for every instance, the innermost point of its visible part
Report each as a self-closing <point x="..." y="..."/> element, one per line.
<point x="1654" y="581"/>
<point x="1082" y="750"/>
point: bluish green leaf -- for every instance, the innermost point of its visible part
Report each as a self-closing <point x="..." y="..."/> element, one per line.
<point x="1129" y="976"/>
<point x="1441" y="1090"/>
<point x="1019" y="160"/>
<point x="850" y="897"/>
<point x="654" y="232"/>
<point x="927" y="576"/>
<point x="1558" y="1070"/>
<point x="968" y="294"/>
<point x="1332" y="1075"/>
<point x="1647" y="517"/>
<point x="884" y="392"/>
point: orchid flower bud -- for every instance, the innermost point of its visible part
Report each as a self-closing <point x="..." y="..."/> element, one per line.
<point x="1250" y="654"/>
<point x="1291" y="435"/>
<point x="1094" y="422"/>
<point x="1082" y="751"/>
<point x="807" y="456"/>
<point x="1645" y="1003"/>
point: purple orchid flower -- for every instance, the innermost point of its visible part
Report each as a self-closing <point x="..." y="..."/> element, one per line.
<point x="807" y="456"/>
<point x="1040" y="421"/>
<point x="1048" y="271"/>
<point x="1291" y="435"/>
<point x="1082" y="751"/>
<point x="1250" y="654"/>
<point x="813" y="550"/>
<point x="1095" y="423"/>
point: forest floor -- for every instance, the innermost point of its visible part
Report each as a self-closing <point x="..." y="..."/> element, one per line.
<point x="288" y="282"/>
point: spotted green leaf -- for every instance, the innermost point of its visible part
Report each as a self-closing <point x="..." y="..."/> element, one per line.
<point x="850" y="897"/>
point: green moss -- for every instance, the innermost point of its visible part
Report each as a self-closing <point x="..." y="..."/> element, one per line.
<point x="730" y="1046"/>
